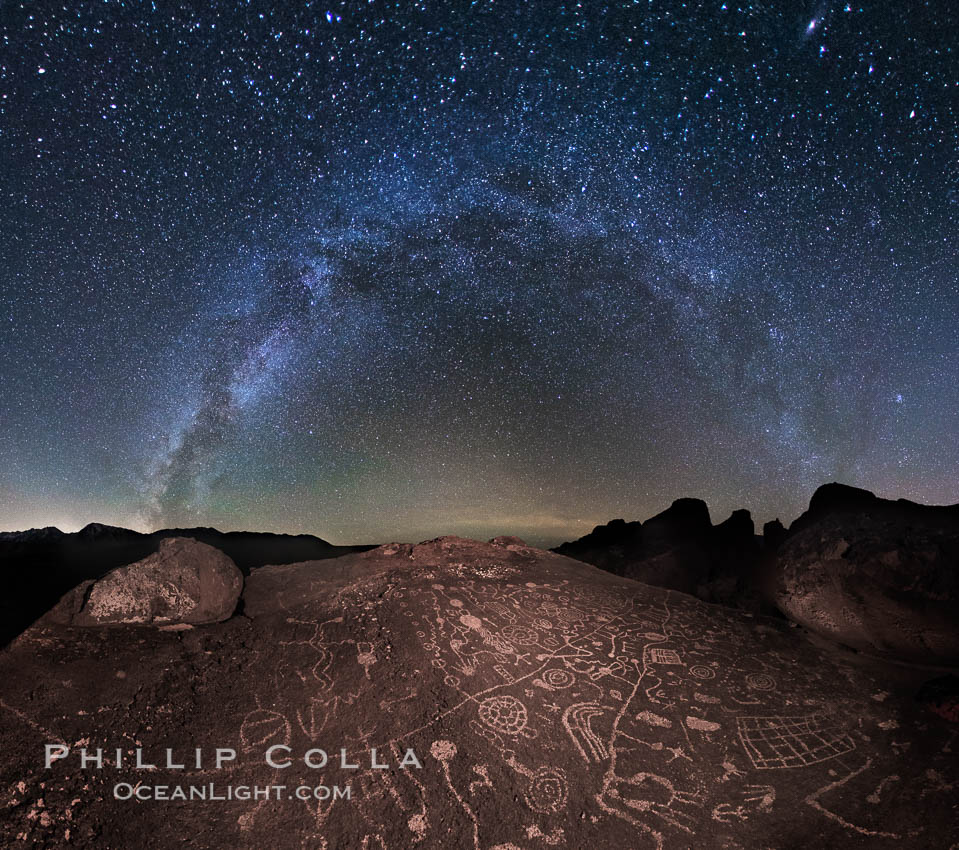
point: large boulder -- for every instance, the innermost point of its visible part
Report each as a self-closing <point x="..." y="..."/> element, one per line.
<point x="877" y="575"/>
<point x="183" y="582"/>
<point x="274" y="588"/>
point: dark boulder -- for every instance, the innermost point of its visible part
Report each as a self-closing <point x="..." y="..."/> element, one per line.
<point x="834" y="496"/>
<point x="877" y="575"/>
<point x="684" y="521"/>
<point x="774" y="532"/>
<point x="738" y="530"/>
<point x="680" y="549"/>
<point x="616" y="532"/>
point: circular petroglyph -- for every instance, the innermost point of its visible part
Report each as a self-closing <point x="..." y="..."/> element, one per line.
<point x="569" y="616"/>
<point x="520" y="634"/>
<point x="557" y="678"/>
<point x="702" y="672"/>
<point x="504" y="714"/>
<point x="547" y="792"/>
<point x="760" y="682"/>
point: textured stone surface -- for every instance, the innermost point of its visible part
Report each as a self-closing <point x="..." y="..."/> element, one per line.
<point x="183" y="582"/>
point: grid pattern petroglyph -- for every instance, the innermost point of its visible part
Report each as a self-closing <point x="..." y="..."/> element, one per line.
<point x="772" y="742"/>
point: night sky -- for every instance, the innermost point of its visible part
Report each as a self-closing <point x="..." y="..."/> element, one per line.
<point x="382" y="271"/>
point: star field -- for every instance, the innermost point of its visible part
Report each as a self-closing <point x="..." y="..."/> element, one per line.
<point x="390" y="270"/>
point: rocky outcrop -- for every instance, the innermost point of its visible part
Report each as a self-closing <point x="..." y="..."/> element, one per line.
<point x="878" y="575"/>
<point x="546" y="704"/>
<point x="685" y="519"/>
<point x="680" y="549"/>
<point x="774" y="532"/>
<point x="184" y="582"/>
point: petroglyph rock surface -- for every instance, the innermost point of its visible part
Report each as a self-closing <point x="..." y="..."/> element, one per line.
<point x="550" y="705"/>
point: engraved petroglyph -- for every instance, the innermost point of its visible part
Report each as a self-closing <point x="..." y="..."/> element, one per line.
<point x="578" y="722"/>
<point x="504" y="714"/>
<point x="814" y="801"/>
<point x="774" y="742"/>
